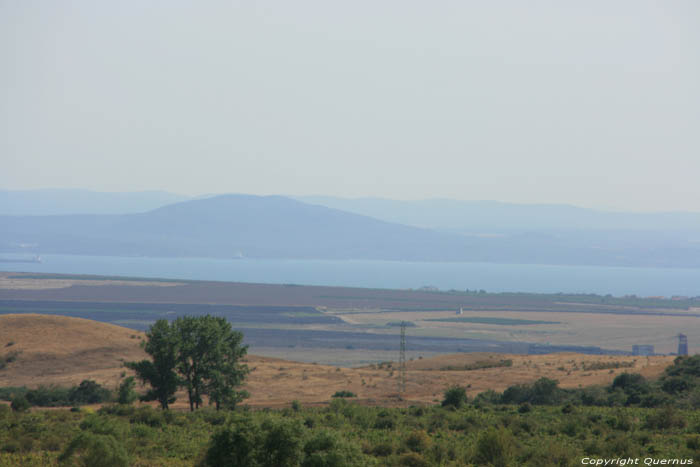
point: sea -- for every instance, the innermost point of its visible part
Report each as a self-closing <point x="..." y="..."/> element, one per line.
<point x="491" y="277"/>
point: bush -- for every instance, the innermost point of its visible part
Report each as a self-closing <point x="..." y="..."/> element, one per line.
<point x="384" y="421"/>
<point x="413" y="459"/>
<point x="417" y="441"/>
<point x="148" y="416"/>
<point x="20" y="404"/>
<point x="664" y="419"/>
<point x="525" y="407"/>
<point x="236" y="444"/>
<point x="344" y="394"/>
<point x="274" y="443"/>
<point x="327" y="449"/>
<point x="89" y="392"/>
<point x="93" y="449"/>
<point x="281" y="443"/>
<point x="126" y="394"/>
<point x="382" y="450"/>
<point x="455" y="396"/>
<point x="495" y="447"/>
<point x="48" y="396"/>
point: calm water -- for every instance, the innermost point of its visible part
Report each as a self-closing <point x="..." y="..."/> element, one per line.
<point x="385" y="274"/>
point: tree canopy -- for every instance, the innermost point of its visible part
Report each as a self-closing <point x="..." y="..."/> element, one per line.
<point x="201" y="354"/>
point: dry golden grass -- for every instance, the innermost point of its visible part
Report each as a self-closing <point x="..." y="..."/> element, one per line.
<point x="14" y="281"/>
<point x="64" y="351"/>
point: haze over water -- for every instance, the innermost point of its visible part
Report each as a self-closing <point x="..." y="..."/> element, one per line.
<point x="491" y="277"/>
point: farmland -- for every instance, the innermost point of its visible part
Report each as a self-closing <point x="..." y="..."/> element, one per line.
<point x="349" y="326"/>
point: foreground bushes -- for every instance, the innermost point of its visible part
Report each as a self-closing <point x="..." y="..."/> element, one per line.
<point x="87" y="392"/>
<point x="679" y="386"/>
<point x="345" y="434"/>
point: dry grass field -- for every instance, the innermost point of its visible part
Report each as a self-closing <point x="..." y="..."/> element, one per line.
<point x="608" y="331"/>
<point x="61" y="350"/>
<point x="64" y="351"/>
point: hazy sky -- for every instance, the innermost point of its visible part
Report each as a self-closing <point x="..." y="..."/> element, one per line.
<point x="594" y="103"/>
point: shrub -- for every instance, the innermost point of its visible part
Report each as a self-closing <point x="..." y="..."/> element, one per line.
<point x="236" y="444"/>
<point x="20" y="404"/>
<point x="48" y="396"/>
<point x="126" y="394"/>
<point x="327" y="449"/>
<point x="89" y="392"/>
<point x="663" y="419"/>
<point x="344" y="394"/>
<point x="281" y="444"/>
<point x="384" y="421"/>
<point x="455" y="396"/>
<point x="382" y="449"/>
<point x="417" y="441"/>
<point x="525" y="407"/>
<point x="413" y="459"/>
<point x="274" y="443"/>
<point x="148" y="416"/>
<point x="495" y="447"/>
<point x="94" y="449"/>
<point x="487" y="397"/>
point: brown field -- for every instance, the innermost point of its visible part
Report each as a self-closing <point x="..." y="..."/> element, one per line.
<point x="10" y="281"/>
<point x="610" y="327"/>
<point x="63" y="351"/>
<point x="608" y="331"/>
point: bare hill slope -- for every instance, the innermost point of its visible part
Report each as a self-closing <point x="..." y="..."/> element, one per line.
<point x="61" y="350"/>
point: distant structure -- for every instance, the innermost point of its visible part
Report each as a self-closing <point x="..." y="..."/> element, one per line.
<point x="643" y="350"/>
<point x="682" y="344"/>
<point x="461" y="311"/>
<point x="402" y="359"/>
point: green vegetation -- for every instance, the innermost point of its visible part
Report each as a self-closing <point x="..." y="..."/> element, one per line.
<point x="498" y="321"/>
<point x="346" y="434"/>
<point x="201" y="354"/>
<point x="678" y="387"/>
<point x="344" y="394"/>
<point x="479" y="365"/>
<point x="590" y="366"/>
<point x="87" y="392"/>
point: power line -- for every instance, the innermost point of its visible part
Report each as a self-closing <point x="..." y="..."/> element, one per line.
<point x="402" y="359"/>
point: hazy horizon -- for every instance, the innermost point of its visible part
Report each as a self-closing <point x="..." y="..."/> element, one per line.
<point x="306" y="198"/>
<point x="592" y="104"/>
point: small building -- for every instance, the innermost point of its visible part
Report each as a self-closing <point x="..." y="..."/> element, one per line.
<point x="643" y="350"/>
<point x="461" y="311"/>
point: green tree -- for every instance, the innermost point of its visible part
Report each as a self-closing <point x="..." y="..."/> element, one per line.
<point x="208" y="360"/>
<point x="126" y="393"/>
<point x="227" y="372"/>
<point x="159" y="373"/>
<point x="455" y="396"/>
<point x="201" y="354"/>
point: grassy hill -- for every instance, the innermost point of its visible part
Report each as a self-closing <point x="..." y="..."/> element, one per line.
<point x="60" y="350"/>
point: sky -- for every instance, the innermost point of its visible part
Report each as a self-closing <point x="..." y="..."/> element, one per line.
<point x="593" y="103"/>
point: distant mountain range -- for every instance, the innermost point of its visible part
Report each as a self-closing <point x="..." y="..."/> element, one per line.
<point x="494" y="216"/>
<point x="232" y="226"/>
